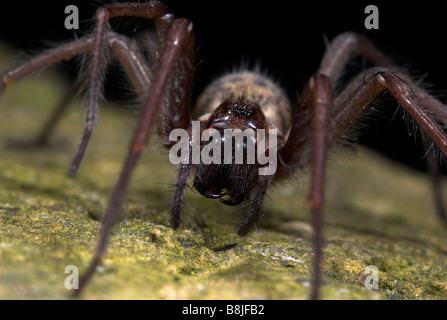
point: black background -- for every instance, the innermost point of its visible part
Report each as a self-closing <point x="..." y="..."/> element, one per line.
<point x="287" y="37"/>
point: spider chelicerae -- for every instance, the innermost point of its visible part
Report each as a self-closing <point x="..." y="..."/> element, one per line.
<point x="160" y="68"/>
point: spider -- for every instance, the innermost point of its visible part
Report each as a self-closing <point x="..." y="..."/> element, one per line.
<point x="160" y="68"/>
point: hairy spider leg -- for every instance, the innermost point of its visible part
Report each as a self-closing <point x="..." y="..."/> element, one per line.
<point x="176" y="40"/>
<point x="304" y="149"/>
<point x="365" y="87"/>
<point x="255" y="211"/>
<point x="178" y="43"/>
<point x="85" y="45"/>
<point x="149" y="10"/>
<point x="322" y="106"/>
<point x="357" y="96"/>
<point x="64" y="52"/>
<point x="138" y="72"/>
<point x="334" y="60"/>
<point x="178" y="195"/>
<point x="340" y="50"/>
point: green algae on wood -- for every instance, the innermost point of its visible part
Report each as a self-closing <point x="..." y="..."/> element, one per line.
<point x="377" y="213"/>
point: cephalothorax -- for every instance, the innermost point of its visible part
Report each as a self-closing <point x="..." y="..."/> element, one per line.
<point x="161" y="72"/>
<point x="239" y="101"/>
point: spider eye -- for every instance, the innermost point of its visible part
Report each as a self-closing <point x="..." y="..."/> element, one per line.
<point x="237" y="114"/>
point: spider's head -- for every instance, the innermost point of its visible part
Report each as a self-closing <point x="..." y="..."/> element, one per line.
<point x="239" y="113"/>
<point x="232" y="172"/>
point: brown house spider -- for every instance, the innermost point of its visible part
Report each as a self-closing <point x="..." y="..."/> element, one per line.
<point x="161" y="71"/>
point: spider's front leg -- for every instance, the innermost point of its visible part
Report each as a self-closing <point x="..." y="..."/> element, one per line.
<point x="322" y="105"/>
<point x="310" y="137"/>
<point x="175" y="63"/>
<point x="169" y="89"/>
<point x="353" y="100"/>
<point x="308" y="143"/>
